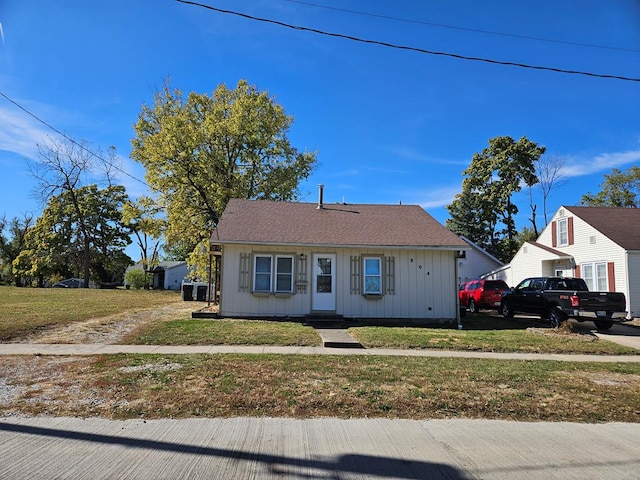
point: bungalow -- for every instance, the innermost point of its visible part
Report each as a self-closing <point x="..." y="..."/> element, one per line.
<point x="599" y="244"/>
<point x="290" y="259"/>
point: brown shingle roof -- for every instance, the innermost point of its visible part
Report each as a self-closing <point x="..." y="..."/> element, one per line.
<point x="620" y="224"/>
<point x="269" y="222"/>
<point x="549" y="249"/>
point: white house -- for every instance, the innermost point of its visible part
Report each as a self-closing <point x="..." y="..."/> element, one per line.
<point x="290" y="259"/>
<point x="599" y="244"/>
<point x="475" y="262"/>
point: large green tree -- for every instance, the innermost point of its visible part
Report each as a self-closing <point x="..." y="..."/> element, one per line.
<point x="201" y="150"/>
<point x="63" y="168"/>
<point x="55" y="245"/>
<point x="144" y="218"/>
<point x="485" y="211"/>
<point x="12" y="241"/>
<point x="619" y="189"/>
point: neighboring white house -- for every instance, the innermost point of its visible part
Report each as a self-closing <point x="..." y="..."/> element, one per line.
<point x="599" y="244"/>
<point x="289" y="259"/>
<point x="167" y="275"/>
<point x="475" y="262"/>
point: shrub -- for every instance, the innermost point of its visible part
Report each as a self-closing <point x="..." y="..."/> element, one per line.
<point x="137" y="278"/>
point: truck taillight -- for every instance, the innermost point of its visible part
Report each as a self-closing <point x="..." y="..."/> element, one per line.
<point x="575" y="301"/>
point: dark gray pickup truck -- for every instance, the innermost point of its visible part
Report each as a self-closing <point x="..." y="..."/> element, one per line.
<point x="558" y="298"/>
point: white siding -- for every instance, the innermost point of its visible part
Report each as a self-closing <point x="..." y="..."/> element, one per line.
<point x="503" y="273"/>
<point x="173" y="277"/>
<point x="633" y="291"/>
<point x="425" y="286"/>
<point x="475" y="264"/>
<point x="533" y="261"/>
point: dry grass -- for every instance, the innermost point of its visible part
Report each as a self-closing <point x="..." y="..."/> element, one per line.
<point x="25" y="311"/>
<point x="484" y="333"/>
<point x="225" y="332"/>
<point x="131" y="386"/>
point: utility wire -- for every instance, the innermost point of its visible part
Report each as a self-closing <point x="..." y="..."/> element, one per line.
<point x="412" y="49"/>
<point x="466" y="29"/>
<point x="48" y="125"/>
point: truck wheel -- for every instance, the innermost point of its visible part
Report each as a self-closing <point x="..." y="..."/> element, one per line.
<point x="603" y="324"/>
<point x="473" y="308"/>
<point x="506" y="310"/>
<point x="556" y="317"/>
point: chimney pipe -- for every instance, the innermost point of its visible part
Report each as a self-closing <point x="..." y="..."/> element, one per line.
<point x="320" y="197"/>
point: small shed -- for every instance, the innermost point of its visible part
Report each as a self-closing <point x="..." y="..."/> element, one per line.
<point x="169" y="275"/>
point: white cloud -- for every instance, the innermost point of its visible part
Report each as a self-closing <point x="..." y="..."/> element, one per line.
<point x="20" y="133"/>
<point x="579" y="166"/>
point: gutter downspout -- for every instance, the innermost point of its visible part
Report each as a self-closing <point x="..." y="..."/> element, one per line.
<point x="455" y="288"/>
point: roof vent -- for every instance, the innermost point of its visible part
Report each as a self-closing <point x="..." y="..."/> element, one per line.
<point x="320" y="197"/>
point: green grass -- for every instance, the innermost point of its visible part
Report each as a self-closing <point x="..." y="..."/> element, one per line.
<point x="227" y="332"/>
<point x="26" y="310"/>
<point x="486" y="333"/>
<point x="306" y="386"/>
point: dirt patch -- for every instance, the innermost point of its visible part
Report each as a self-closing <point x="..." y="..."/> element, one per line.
<point x="110" y="329"/>
<point x="567" y="330"/>
<point x="151" y="367"/>
<point x="610" y="379"/>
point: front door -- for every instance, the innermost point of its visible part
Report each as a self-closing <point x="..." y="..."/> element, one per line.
<point x="324" y="282"/>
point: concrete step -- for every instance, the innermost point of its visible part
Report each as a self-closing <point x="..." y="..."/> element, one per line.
<point x="337" y="338"/>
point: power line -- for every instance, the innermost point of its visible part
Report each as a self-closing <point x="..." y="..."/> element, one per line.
<point x="64" y="135"/>
<point x="466" y="29"/>
<point x="413" y="49"/>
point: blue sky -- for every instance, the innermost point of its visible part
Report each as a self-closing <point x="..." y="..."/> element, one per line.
<point x="389" y="125"/>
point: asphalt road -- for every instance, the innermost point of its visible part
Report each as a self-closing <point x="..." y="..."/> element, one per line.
<point x="280" y="448"/>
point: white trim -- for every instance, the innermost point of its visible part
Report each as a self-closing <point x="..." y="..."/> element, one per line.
<point x="323" y="301"/>
<point x="379" y="276"/>
<point x="565" y="222"/>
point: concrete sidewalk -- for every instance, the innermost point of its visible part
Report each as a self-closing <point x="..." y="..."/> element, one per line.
<point x="102" y="349"/>
<point x="284" y="448"/>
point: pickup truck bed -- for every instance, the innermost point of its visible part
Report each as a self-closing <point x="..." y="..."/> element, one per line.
<point x="558" y="298"/>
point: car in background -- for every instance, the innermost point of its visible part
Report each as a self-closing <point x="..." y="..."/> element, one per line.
<point x="482" y="294"/>
<point x="69" y="283"/>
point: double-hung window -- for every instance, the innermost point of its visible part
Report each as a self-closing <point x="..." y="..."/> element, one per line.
<point x="273" y="273"/>
<point x="563" y="232"/>
<point x="595" y="276"/>
<point x="262" y="273"/>
<point x="372" y="276"/>
<point x="284" y="274"/>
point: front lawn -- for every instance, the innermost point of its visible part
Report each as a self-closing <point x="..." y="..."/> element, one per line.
<point x="226" y="332"/>
<point x="24" y="311"/>
<point x="306" y="386"/>
<point x="486" y="333"/>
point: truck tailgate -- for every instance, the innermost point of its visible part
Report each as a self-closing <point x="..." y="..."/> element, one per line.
<point x="606" y="301"/>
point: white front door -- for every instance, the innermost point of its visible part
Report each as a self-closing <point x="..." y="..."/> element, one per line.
<point x="323" y="297"/>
